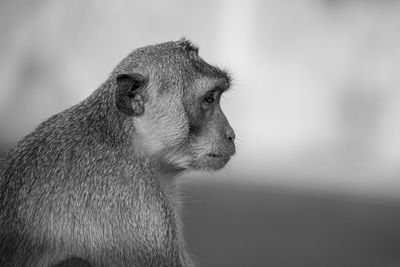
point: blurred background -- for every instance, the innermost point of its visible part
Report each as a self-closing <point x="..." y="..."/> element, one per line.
<point x="315" y="106"/>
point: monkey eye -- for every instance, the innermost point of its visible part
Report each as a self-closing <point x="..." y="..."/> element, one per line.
<point x="209" y="99"/>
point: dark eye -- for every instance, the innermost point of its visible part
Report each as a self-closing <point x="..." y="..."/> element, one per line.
<point x="209" y="99"/>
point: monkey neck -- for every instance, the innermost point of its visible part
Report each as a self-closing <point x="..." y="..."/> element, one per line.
<point x="167" y="176"/>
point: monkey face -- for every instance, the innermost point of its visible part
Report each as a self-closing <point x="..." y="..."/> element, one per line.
<point x="189" y="131"/>
<point x="179" y="121"/>
<point x="212" y="138"/>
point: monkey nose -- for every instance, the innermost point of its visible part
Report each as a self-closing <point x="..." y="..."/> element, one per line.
<point x="230" y="134"/>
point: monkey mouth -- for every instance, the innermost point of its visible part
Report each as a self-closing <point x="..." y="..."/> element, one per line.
<point x="226" y="155"/>
<point x="214" y="155"/>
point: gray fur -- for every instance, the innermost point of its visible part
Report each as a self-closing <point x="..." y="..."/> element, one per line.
<point x="97" y="184"/>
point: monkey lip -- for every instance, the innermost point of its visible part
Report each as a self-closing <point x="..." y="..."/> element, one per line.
<point x="214" y="155"/>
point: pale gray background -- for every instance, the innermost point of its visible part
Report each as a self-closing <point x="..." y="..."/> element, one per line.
<point x="315" y="106"/>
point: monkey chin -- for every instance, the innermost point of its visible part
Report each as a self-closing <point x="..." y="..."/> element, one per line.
<point x="211" y="162"/>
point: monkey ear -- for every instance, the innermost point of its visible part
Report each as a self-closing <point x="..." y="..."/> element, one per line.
<point x="129" y="96"/>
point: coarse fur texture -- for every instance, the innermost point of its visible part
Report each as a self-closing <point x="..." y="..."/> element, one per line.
<point x="95" y="185"/>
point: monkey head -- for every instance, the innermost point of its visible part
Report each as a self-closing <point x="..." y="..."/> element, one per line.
<point x="172" y="97"/>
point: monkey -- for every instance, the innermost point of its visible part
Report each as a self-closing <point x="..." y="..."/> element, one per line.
<point x="98" y="183"/>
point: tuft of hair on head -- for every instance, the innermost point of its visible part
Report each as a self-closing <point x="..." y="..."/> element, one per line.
<point x="228" y="76"/>
<point x="188" y="46"/>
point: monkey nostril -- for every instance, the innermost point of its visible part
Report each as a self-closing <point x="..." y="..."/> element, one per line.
<point x="230" y="134"/>
<point x="231" y="137"/>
